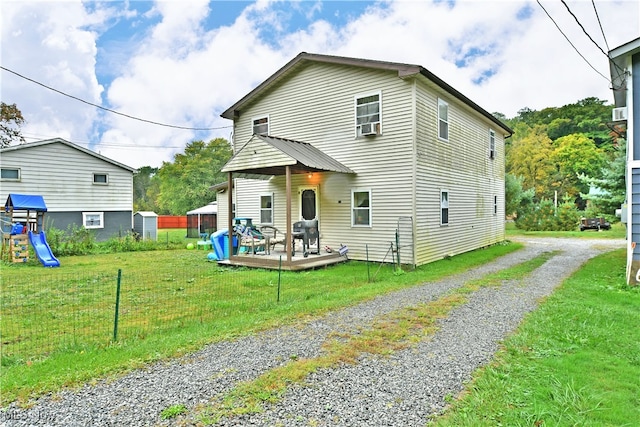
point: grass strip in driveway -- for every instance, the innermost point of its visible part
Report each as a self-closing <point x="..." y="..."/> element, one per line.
<point x="574" y="361"/>
<point x="387" y="334"/>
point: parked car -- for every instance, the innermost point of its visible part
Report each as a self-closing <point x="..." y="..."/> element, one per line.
<point x="594" y="224"/>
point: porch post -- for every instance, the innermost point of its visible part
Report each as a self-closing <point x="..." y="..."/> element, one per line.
<point x="230" y="213"/>
<point x="289" y="225"/>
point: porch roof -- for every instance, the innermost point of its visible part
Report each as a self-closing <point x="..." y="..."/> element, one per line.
<point x="264" y="156"/>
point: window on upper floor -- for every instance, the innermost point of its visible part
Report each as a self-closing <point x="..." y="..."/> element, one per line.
<point x="10" y="174"/>
<point x="361" y="208"/>
<point x="492" y="144"/>
<point x="368" y="114"/>
<point x="261" y="125"/>
<point x="444" y="207"/>
<point x="101" y="178"/>
<point x="443" y="120"/>
<point x="93" y="219"/>
<point x="266" y="209"/>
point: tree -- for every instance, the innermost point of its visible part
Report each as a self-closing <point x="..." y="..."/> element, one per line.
<point x="611" y="183"/>
<point x="575" y="155"/>
<point x="185" y="183"/>
<point x="514" y="194"/>
<point x="143" y="189"/>
<point x="529" y="158"/>
<point x="10" y="121"/>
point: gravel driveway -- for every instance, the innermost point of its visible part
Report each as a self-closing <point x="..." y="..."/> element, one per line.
<point x="402" y="389"/>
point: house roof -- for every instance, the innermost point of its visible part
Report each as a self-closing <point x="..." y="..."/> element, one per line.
<point x="29" y="202"/>
<point x="29" y="145"/>
<point x="618" y="66"/>
<point x="403" y="70"/>
<point x="264" y="156"/>
<point x="146" y="214"/>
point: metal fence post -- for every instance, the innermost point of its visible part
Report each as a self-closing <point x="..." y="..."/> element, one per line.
<point x="279" y="274"/>
<point x="115" y="320"/>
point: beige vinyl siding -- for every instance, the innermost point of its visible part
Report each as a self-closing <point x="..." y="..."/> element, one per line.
<point x="317" y="105"/>
<point x="461" y="166"/>
<point x="64" y="177"/>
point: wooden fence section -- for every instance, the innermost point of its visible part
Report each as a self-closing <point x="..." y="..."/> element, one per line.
<point x="169" y="221"/>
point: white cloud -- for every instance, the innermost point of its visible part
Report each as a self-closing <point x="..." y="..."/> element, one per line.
<point x="173" y="69"/>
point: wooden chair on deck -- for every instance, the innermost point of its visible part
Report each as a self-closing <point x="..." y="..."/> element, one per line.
<point x="249" y="238"/>
<point x="273" y="236"/>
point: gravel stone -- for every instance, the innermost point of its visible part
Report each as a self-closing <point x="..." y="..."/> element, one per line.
<point x="406" y="388"/>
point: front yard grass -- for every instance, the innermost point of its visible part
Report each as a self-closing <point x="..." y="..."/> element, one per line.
<point x="304" y="294"/>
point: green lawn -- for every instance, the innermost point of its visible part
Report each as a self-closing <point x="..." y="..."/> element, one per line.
<point x="573" y="362"/>
<point x="57" y="324"/>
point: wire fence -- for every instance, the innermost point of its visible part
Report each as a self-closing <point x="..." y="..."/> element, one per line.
<point x="60" y="312"/>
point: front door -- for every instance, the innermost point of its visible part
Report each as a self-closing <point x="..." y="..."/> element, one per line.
<point x="309" y="203"/>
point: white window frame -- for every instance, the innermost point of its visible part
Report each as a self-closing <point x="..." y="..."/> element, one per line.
<point x="85" y="219"/>
<point x="443" y="121"/>
<point x="254" y="125"/>
<point x="264" y="210"/>
<point x="368" y="210"/>
<point x="17" y="170"/>
<point x="444" y="207"/>
<point x="376" y="124"/>
<point x="492" y="144"/>
<point x="106" y="177"/>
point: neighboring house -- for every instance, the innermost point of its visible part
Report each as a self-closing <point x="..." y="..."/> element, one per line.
<point x="78" y="185"/>
<point x="369" y="148"/>
<point x="625" y="76"/>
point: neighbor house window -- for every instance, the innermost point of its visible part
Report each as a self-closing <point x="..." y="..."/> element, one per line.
<point x="368" y="114"/>
<point x="100" y="178"/>
<point x="443" y="120"/>
<point x="495" y="205"/>
<point x="261" y="126"/>
<point x="444" y="207"/>
<point x="93" y="219"/>
<point x="10" y="174"/>
<point x="492" y="144"/>
<point x="361" y="207"/>
<point x="266" y="209"/>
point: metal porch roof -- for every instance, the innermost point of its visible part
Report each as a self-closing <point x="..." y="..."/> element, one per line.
<point x="264" y="156"/>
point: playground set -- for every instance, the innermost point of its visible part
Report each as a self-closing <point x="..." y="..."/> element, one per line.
<point x="23" y="222"/>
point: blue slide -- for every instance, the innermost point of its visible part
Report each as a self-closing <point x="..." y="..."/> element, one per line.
<point x="42" y="249"/>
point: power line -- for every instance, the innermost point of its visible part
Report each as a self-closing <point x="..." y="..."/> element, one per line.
<point x="572" y="45"/>
<point x="583" y="29"/>
<point x="108" y="109"/>
<point x="600" y="24"/>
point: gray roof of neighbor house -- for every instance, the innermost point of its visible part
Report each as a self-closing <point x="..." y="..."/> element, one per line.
<point x="264" y="156"/>
<point x="29" y="145"/>
<point x="618" y="66"/>
<point x="403" y="70"/>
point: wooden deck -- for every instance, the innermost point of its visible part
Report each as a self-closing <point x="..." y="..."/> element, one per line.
<point x="272" y="261"/>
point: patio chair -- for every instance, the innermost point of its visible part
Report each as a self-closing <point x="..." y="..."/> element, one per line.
<point x="273" y="236"/>
<point x="250" y="239"/>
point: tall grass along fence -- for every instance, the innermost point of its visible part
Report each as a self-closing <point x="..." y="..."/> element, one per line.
<point x="58" y="312"/>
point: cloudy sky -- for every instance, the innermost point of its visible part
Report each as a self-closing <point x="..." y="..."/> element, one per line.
<point x="181" y="63"/>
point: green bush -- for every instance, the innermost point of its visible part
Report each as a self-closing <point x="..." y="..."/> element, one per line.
<point x="544" y="216"/>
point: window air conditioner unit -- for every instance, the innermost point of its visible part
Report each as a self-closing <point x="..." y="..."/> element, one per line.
<point x="619" y="114"/>
<point x="368" y="129"/>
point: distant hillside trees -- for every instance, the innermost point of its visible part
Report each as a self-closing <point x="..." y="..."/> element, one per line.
<point x="184" y="184"/>
<point x="561" y="153"/>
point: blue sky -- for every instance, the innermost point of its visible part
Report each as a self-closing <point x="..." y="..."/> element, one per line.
<point x="184" y="62"/>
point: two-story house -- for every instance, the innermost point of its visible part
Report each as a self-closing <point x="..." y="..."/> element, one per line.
<point x="79" y="186"/>
<point x="625" y="76"/>
<point x="379" y="152"/>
